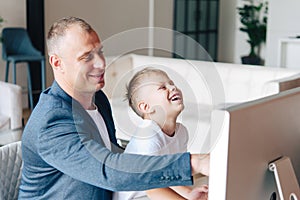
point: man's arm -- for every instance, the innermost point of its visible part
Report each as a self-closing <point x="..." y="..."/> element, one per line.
<point x="199" y="164"/>
<point x="81" y="157"/>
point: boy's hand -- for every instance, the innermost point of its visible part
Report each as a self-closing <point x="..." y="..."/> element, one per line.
<point x="199" y="193"/>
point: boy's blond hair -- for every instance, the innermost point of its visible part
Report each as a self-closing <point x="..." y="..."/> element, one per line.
<point x="135" y="83"/>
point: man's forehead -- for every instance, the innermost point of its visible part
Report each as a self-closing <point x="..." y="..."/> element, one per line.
<point x="81" y="40"/>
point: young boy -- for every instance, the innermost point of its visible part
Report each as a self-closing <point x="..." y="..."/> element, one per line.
<point x="153" y="96"/>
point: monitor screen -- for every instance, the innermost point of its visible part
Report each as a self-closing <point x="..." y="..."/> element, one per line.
<point x="254" y="134"/>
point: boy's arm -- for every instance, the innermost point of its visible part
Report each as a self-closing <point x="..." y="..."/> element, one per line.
<point x="163" y="193"/>
<point x="197" y="193"/>
<point x="179" y="193"/>
<point x="184" y="191"/>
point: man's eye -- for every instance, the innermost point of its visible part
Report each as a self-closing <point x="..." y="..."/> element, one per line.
<point x="100" y="52"/>
<point x="88" y="57"/>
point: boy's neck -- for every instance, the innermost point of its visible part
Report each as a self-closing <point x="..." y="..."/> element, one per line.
<point x="168" y="127"/>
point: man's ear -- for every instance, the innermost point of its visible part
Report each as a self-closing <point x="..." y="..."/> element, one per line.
<point x="144" y="107"/>
<point x="55" y="62"/>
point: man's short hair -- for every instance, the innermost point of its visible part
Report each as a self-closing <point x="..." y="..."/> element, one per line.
<point x="58" y="31"/>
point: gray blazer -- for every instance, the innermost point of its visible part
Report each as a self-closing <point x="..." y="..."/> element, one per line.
<point x="65" y="157"/>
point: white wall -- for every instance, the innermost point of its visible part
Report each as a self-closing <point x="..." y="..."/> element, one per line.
<point x="14" y="14"/>
<point x="107" y="17"/>
<point x="227" y="31"/>
<point x="110" y="17"/>
<point x="164" y="18"/>
<point x="284" y="17"/>
<point x="232" y="44"/>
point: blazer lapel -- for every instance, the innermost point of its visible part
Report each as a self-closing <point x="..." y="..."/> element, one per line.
<point x="104" y="108"/>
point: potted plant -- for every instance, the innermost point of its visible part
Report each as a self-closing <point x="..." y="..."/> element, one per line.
<point x="254" y="22"/>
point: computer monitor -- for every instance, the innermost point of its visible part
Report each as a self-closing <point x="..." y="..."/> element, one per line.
<point x="253" y="135"/>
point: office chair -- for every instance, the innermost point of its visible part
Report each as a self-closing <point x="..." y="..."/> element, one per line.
<point x="10" y="170"/>
<point x="17" y="48"/>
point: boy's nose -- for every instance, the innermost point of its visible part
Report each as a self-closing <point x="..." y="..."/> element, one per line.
<point x="171" y="87"/>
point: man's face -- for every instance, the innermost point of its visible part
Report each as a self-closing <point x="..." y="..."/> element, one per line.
<point x="82" y="61"/>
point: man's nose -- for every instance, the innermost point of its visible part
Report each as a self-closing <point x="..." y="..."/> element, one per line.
<point x="99" y="62"/>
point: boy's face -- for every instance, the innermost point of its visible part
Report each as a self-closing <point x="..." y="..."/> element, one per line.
<point x="161" y="97"/>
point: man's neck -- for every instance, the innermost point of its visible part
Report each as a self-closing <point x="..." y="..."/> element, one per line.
<point x="85" y="99"/>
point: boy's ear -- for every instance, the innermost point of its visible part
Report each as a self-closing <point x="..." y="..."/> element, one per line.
<point x="144" y="107"/>
<point x="55" y="62"/>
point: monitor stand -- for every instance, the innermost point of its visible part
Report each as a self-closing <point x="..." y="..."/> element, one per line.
<point x="285" y="177"/>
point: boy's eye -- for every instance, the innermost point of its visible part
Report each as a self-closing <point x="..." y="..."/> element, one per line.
<point x="163" y="87"/>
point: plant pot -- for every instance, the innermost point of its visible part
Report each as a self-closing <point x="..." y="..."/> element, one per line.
<point x="251" y="60"/>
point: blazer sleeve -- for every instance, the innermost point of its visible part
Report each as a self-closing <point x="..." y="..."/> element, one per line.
<point x="68" y="144"/>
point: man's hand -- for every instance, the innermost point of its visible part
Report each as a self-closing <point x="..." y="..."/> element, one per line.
<point x="200" y="163"/>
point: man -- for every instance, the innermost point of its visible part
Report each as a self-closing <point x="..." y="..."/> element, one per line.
<point x="69" y="146"/>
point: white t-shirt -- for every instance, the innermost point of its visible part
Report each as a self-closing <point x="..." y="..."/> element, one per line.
<point x="150" y="140"/>
<point x="96" y="116"/>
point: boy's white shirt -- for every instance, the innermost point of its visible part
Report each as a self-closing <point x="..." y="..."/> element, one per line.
<point x="150" y="140"/>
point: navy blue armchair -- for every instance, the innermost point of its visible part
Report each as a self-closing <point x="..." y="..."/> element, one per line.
<point x="17" y="48"/>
